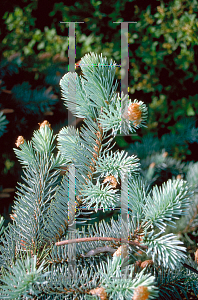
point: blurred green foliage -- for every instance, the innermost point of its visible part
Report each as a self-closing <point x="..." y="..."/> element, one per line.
<point x="165" y="61"/>
<point x="23" y="35"/>
<point x="3" y="123"/>
<point x="163" y="48"/>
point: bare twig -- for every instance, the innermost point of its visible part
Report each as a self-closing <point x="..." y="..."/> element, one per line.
<point x="100" y="238"/>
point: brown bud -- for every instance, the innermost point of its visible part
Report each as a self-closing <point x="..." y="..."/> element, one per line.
<point x="179" y="176"/>
<point x="20" y="140"/>
<point x="100" y="292"/>
<point x="141" y="293"/>
<point x="45" y="123"/>
<point x="134" y="113"/>
<point x="146" y="263"/>
<point x="112" y="180"/>
<point x="122" y="250"/>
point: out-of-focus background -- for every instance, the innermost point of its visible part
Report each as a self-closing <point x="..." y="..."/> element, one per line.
<point x="163" y="72"/>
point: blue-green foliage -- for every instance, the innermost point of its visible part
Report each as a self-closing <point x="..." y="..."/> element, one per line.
<point x="48" y="202"/>
<point x="24" y="275"/>
<point x="3" y="123"/>
<point x="32" y="101"/>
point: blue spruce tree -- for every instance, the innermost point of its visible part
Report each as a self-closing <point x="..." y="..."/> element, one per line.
<point x="51" y="250"/>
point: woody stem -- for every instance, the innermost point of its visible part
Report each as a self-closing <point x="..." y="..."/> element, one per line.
<point x="100" y="238"/>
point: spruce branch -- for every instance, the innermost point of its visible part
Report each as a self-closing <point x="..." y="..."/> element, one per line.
<point x="169" y="202"/>
<point x="99" y="196"/>
<point x="35" y="101"/>
<point x="117" y="164"/>
<point x="22" y="279"/>
<point x="133" y="118"/>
